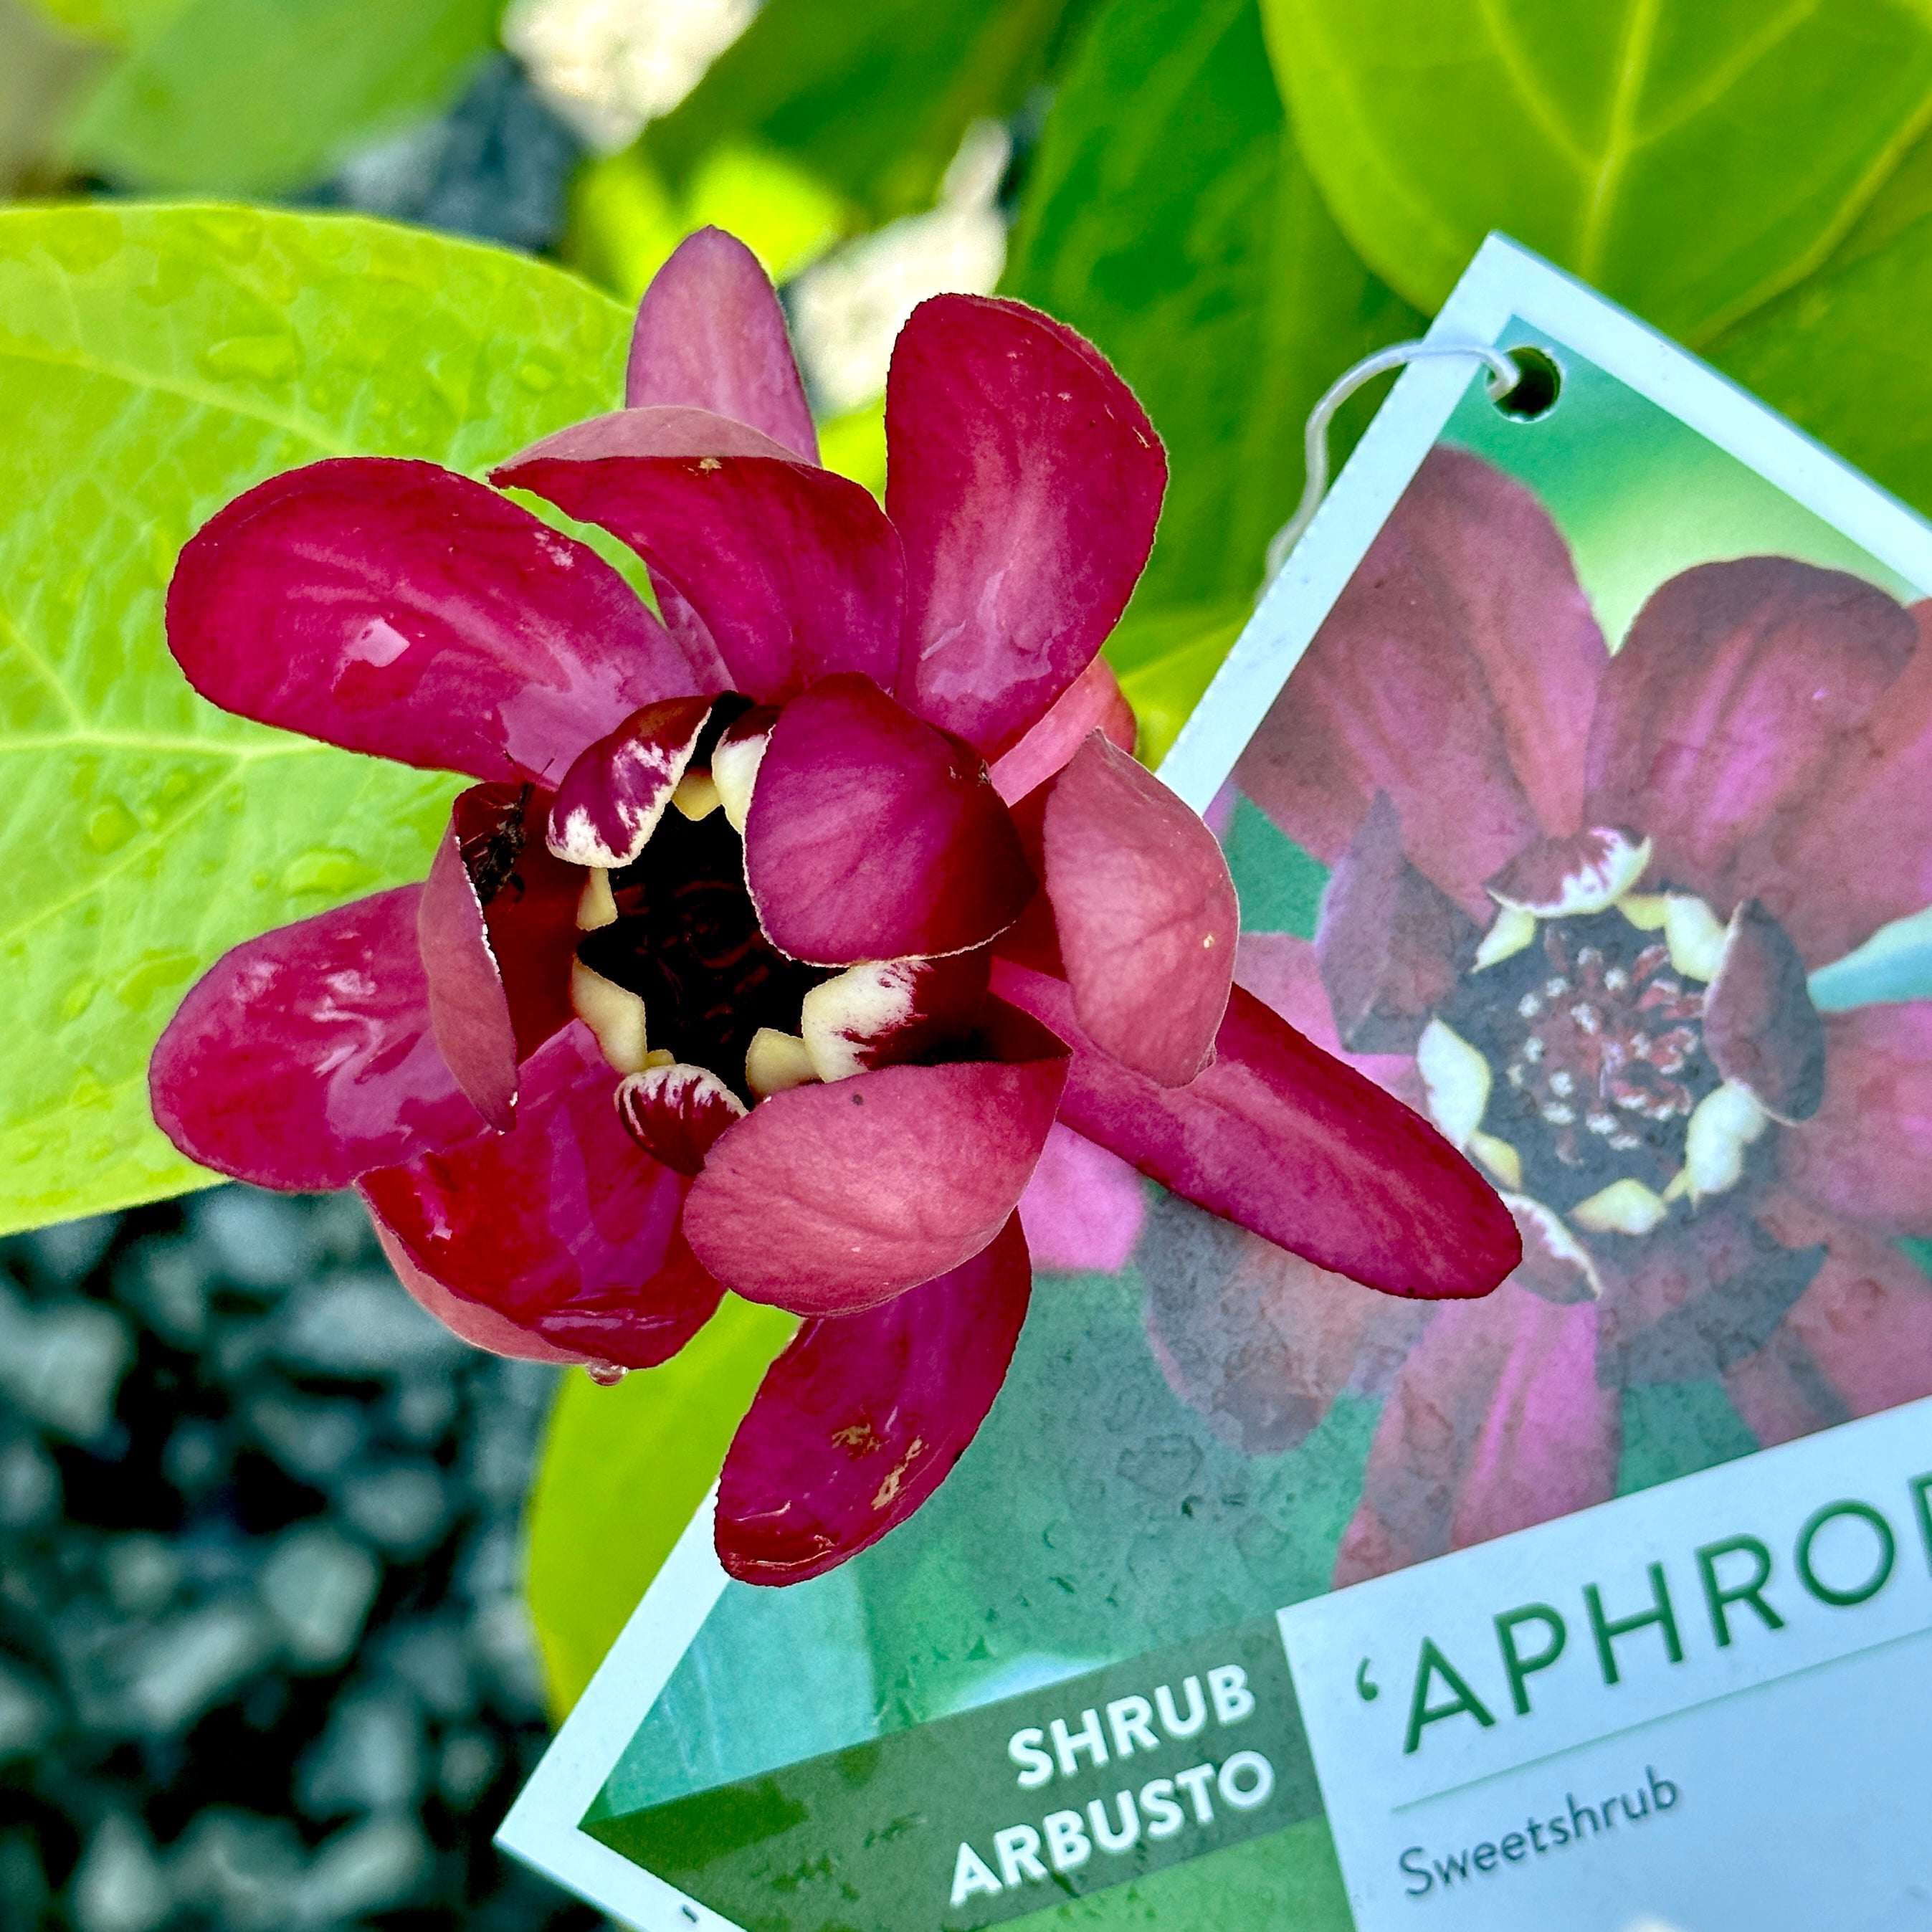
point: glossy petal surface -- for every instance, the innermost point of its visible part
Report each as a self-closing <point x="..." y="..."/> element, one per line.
<point x="827" y="1199"/>
<point x="710" y="333"/>
<point x="872" y="836"/>
<point x="1738" y="685"/>
<point x="1093" y="702"/>
<point x="563" y="1226"/>
<point x="1456" y="672"/>
<point x="615" y="792"/>
<point x="1146" y="913"/>
<point x="470" y="1011"/>
<point x="863" y="1416"/>
<point x="794" y="571"/>
<point x="1025" y="481"/>
<point x="658" y="431"/>
<point x="675" y="1113"/>
<point x="396" y="608"/>
<point x="1292" y="1144"/>
<point x="303" y="1057"/>
<point x="1497" y="1422"/>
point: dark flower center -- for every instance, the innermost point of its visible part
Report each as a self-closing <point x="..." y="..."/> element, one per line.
<point x="686" y="940"/>
<point x="1596" y="1044"/>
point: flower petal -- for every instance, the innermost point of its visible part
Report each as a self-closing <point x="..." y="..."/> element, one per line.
<point x="1145" y="910"/>
<point x="1564" y="878"/>
<point x="1025" y="481"/>
<point x="1294" y="1145"/>
<point x="1391" y="945"/>
<point x="497" y="926"/>
<point x="1760" y="1027"/>
<point x="616" y="790"/>
<point x="1499" y="1421"/>
<point x="468" y="1007"/>
<point x="1083" y="1208"/>
<point x="1858" y="1340"/>
<point x="1737" y="687"/>
<point x="710" y="332"/>
<point x="1700" y="1297"/>
<point x="302" y="1058"/>
<point x="1866" y="1154"/>
<point x="830" y="1198"/>
<point x="883" y="1012"/>
<point x="872" y="836"/>
<point x="1282" y="972"/>
<point x="864" y="1415"/>
<point x="1456" y="672"/>
<point x="1855" y="855"/>
<point x="1093" y="702"/>
<point x="795" y="572"/>
<point x="396" y="608"/>
<point x="562" y="1226"/>
<point x="669" y="430"/>
<point x="482" y="1327"/>
<point x="1256" y="1340"/>
<point x="675" y="1113"/>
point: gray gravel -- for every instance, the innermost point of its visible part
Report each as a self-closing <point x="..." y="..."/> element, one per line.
<point x="264" y="1665"/>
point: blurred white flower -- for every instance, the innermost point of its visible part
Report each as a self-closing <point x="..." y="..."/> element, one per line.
<point x="846" y="309"/>
<point x="609" y="66"/>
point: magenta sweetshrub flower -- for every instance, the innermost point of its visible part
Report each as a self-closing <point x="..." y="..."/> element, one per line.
<point x="1576" y="901"/>
<point x="781" y="927"/>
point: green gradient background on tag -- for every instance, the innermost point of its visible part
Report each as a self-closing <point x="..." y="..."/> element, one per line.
<point x="1097" y="1518"/>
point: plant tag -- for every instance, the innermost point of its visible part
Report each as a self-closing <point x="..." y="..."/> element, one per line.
<point x="1573" y="772"/>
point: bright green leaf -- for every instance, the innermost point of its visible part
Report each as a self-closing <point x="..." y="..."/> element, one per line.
<point x="623" y="1470"/>
<point x="854" y="445"/>
<point x="1166" y="659"/>
<point x="1841" y="356"/>
<point x="871" y="99"/>
<point x="240" y="97"/>
<point x="1169" y="217"/>
<point x="1690" y="158"/>
<point x="113" y="23"/>
<point x="153" y="363"/>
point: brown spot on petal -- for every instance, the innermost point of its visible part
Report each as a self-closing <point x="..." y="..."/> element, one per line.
<point x="1760" y="1027"/>
<point x="1390" y="944"/>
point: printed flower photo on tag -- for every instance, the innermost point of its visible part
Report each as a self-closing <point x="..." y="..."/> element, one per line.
<point x="1592" y="901"/>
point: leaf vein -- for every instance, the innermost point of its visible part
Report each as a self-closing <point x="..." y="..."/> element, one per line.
<point x="1633" y="64"/>
<point x="1521" y="74"/>
<point x="130" y="853"/>
<point x="204" y="394"/>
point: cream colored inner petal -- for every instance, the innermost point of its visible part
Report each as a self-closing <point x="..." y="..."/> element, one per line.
<point x="1722" y="1126"/>
<point x="1624" y="1207"/>
<point x="1694" y="934"/>
<point x="614" y="1014"/>
<point x="776" y="1062"/>
<point x="1457" y="1078"/>
<point x="1512" y="928"/>
<point x="1499" y="1157"/>
<point x="696" y="795"/>
<point x="595" y="904"/>
<point x="843" y="1015"/>
<point x="734" y="772"/>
